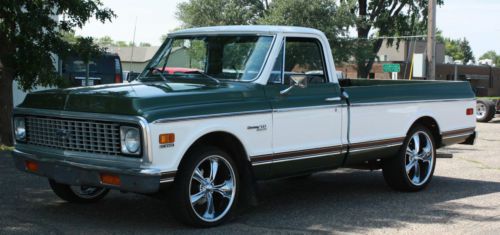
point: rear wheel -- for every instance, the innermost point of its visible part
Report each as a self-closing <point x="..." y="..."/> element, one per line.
<point x="412" y="169"/>
<point x="485" y="110"/>
<point x="206" y="188"/>
<point x="78" y="194"/>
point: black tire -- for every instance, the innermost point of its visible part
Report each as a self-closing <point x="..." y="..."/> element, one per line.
<point x="395" y="169"/>
<point x="65" y="192"/>
<point x="485" y="110"/>
<point x="185" y="187"/>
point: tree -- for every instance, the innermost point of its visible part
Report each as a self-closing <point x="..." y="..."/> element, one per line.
<point x="382" y="18"/>
<point x="121" y="44"/>
<point x="30" y="35"/>
<point x="321" y="14"/>
<point x="491" y="55"/>
<point x="195" y="13"/>
<point x="467" y="51"/>
<point x="459" y="49"/>
<point x="369" y="18"/>
<point x="105" y="42"/>
<point x="144" y="44"/>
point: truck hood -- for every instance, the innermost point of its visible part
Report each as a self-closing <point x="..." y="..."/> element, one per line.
<point x="152" y="100"/>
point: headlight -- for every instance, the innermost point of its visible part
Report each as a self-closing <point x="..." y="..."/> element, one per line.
<point x="20" y="128"/>
<point x="130" y="140"/>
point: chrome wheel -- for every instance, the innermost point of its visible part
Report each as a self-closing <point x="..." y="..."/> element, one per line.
<point x="419" y="158"/>
<point x="87" y="192"/>
<point x="480" y="110"/>
<point x="212" y="188"/>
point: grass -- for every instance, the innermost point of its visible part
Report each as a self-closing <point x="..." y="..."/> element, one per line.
<point x="6" y="148"/>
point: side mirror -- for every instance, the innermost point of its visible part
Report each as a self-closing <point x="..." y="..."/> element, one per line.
<point x="295" y="81"/>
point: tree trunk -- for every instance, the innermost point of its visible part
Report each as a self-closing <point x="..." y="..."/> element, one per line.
<point x="6" y="106"/>
<point x="365" y="66"/>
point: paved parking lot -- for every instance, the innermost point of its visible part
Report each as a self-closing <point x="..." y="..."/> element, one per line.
<point x="464" y="197"/>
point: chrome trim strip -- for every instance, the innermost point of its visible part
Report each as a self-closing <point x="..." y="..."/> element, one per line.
<point x="333" y="99"/>
<point x="307" y="108"/>
<point x="409" y="102"/>
<point x="296" y="158"/>
<point x="456" y="136"/>
<point x="216" y="115"/>
<point x="375" y="147"/>
<point x="166" y="180"/>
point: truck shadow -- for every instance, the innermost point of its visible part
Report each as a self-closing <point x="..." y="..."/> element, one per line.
<point x="345" y="201"/>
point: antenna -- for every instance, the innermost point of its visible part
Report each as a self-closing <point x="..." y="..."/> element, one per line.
<point x="133" y="45"/>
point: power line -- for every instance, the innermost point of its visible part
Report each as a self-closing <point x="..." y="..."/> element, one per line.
<point x="387" y="37"/>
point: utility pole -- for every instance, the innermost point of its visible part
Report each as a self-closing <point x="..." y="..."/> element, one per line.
<point x="431" y="41"/>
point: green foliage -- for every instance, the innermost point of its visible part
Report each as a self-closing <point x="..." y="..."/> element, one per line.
<point x="321" y="14"/>
<point x="459" y="49"/>
<point x="467" y="51"/>
<point x="196" y="13"/>
<point x="368" y="18"/>
<point x="491" y="55"/>
<point x="6" y="148"/>
<point x="386" y="18"/>
<point x="107" y="41"/>
<point x="30" y="35"/>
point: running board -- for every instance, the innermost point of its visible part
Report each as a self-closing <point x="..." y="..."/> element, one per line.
<point x="444" y="155"/>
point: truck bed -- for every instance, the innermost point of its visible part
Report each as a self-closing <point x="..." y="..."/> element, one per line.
<point x="370" y="91"/>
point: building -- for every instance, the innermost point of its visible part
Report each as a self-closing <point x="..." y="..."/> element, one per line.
<point x="134" y="58"/>
<point x="401" y="54"/>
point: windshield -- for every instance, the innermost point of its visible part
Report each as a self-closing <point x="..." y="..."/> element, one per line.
<point x="238" y="58"/>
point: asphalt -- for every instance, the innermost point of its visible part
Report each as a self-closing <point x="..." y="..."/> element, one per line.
<point x="463" y="197"/>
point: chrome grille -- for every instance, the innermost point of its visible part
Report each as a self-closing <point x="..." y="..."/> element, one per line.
<point x="73" y="134"/>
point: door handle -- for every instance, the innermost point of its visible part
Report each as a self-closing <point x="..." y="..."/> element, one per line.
<point x="332" y="99"/>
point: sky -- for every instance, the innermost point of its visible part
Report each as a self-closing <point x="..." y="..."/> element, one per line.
<point x="475" y="20"/>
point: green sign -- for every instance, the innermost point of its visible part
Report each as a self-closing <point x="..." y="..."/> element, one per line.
<point x="391" y="68"/>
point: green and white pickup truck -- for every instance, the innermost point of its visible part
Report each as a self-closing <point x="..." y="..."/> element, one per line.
<point x="220" y="108"/>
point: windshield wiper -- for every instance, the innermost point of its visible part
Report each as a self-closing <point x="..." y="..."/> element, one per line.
<point x="152" y="69"/>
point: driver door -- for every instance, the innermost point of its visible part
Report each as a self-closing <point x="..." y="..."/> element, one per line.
<point x="306" y="121"/>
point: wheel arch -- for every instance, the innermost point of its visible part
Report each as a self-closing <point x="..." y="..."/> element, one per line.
<point x="430" y="123"/>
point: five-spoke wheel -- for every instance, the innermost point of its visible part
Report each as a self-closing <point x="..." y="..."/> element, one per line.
<point x="419" y="160"/>
<point x="206" y="187"/>
<point x="413" y="167"/>
<point x="212" y="188"/>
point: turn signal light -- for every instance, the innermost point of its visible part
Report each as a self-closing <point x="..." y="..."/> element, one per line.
<point x="31" y="166"/>
<point x="469" y="111"/>
<point x="110" y="179"/>
<point x="167" y="138"/>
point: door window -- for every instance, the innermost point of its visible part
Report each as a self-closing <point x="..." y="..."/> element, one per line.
<point x="303" y="56"/>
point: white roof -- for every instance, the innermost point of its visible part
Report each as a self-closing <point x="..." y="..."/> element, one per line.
<point x="265" y="29"/>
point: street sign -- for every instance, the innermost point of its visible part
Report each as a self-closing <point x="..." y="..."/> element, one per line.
<point x="391" y="68"/>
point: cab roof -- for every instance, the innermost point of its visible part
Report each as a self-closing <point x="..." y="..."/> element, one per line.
<point x="257" y="29"/>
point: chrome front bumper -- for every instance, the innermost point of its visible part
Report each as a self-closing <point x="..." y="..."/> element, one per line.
<point x="67" y="171"/>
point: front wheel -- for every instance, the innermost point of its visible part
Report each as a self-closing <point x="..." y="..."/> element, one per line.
<point x="206" y="188"/>
<point x="412" y="169"/>
<point x="78" y="194"/>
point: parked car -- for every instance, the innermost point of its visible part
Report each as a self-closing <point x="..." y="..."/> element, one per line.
<point x="255" y="103"/>
<point x="106" y="69"/>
